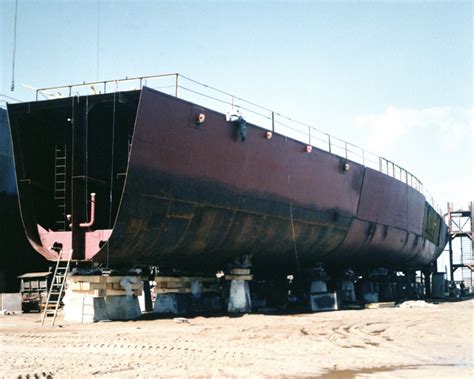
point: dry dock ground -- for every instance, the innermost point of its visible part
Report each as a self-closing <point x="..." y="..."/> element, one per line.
<point x="435" y="341"/>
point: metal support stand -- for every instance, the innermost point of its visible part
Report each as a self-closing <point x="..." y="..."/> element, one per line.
<point x="319" y="298"/>
<point x="239" y="295"/>
<point x="347" y="292"/>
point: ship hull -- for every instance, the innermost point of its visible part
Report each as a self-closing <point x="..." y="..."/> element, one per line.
<point x="194" y="197"/>
<point x="17" y="255"/>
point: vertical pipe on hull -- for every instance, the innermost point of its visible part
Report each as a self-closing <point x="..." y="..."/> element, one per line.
<point x="78" y="177"/>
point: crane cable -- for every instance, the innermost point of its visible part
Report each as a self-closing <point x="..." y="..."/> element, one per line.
<point x="98" y="38"/>
<point x="12" y="88"/>
<point x="112" y="168"/>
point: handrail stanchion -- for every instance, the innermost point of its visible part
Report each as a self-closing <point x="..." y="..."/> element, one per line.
<point x="176" y="85"/>
<point x="273" y="122"/>
<point x="384" y="164"/>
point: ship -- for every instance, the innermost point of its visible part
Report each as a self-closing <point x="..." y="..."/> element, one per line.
<point x="143" y="177"/>
<point x="17" y="254"/>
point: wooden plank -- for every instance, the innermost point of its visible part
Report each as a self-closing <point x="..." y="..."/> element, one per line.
<point x="171" y="290"/>
<point x="181" y="290"/>
<point x="240" y="271"/>
<point x="238" y="277"/>
<point x="121" y="293"/>
<point x="97" y="279"/>
<point x="113" y="279"/>
<point x="86" y="278"/>
<point x="117" y="286"/>
<point x="180" y="279"/>
<point x="86" y="286"/>
<point x="389" y="304"/>
<point x="169" y="279"/>
<point x="173" y="285"/>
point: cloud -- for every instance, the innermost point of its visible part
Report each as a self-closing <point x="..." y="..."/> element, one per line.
<point x="449" y="126"/>
<point x="435" y="144"/>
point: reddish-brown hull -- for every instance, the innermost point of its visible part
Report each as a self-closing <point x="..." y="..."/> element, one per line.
<point x="195" y="197"/>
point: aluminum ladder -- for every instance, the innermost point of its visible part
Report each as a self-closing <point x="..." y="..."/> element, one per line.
<point x="56" y="291"/>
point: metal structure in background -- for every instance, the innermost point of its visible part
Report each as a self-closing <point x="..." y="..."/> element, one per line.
<point x="461" y="228"/>
<point x="259" y="115"/>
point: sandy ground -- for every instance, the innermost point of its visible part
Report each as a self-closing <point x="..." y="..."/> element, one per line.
<point x="427" y="342"/>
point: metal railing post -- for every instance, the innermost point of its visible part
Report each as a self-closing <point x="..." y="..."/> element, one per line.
<point x="176" y="85"/>
<point x="370" y="159"/>
<point x="273" y="122"/>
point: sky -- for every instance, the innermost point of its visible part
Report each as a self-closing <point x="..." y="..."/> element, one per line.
<point x="393" y="77"/>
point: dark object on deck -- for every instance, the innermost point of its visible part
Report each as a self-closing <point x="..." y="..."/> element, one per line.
<point x="181" y="197"/>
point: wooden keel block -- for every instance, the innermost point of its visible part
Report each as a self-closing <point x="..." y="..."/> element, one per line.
<point x="171" y="290"/>
<point x="122" y="293"/>
<point x="172" y="285"/>
<point x="238" y="277"/>
<point x="87" y="286"/>
<point x="86" y="278"/>
<point x="240" y="271"/>
<point x="389" y="304"/>
<point x="91" y="293"/>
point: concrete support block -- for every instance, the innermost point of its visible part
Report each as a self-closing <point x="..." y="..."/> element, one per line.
<point x="348" y="291"/>
<point x="370" y="291"/>
<point x="318" y="286"/>
<point x="323" y="302"/>
<point x="10" y="302"/>
<point x="86" y="308"/>
<point x="172" y="303"/>
<point x="239" y="298"/>
<point x="320" y="299"/>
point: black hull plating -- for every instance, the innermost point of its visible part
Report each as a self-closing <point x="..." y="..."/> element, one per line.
<point x="17" y="255"/>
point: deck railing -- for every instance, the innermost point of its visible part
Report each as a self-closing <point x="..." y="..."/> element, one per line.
<point x="189" y="89"/>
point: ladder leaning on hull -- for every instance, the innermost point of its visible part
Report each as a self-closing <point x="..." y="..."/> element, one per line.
<point x="56" y="291"/>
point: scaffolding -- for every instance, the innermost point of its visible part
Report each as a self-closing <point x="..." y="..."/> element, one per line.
<point x="461" y="231"/>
